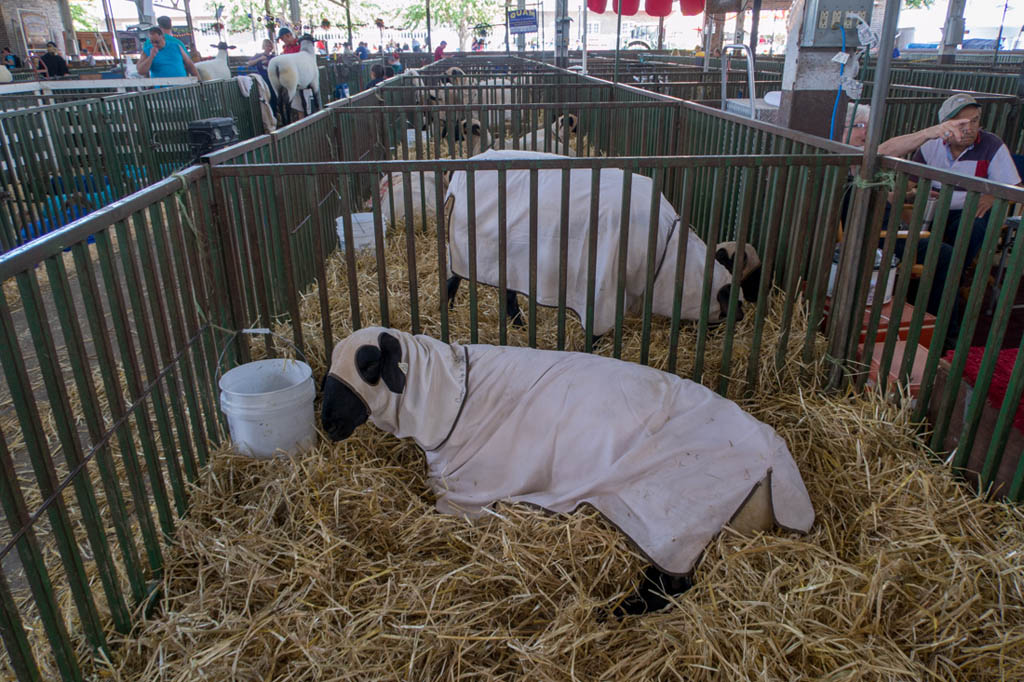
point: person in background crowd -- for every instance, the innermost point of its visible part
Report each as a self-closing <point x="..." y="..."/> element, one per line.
<point x="291" y="43"/>
<point x="346" y="48"/>
<point x="261" y="61"/>
<point x="405" y="47"/>
<point x="415" y="45"/>
<point x="11" y="60"/>
<point x="165" y="57"/>
<point x="394" y="64"/>
<point x="377" y="75"/>
<point x="51" y="64"/>
<point x="478" y="45"/>
<point x="362" y="52"/>
<point x="439" y="52"/>
<point x="87" y="58"/>
<point x="321" y="48"/>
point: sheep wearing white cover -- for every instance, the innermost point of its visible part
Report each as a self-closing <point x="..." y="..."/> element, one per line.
<point x="216" y="68"/>
<point x="5" y="74"/>
<point x="666" y="460"/>
<point x="549" y="201"/>
<point x="290" y="74"/>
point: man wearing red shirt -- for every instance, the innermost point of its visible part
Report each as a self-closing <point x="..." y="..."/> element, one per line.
<point x="291" y="45"/>
<point x="439" y="52"/>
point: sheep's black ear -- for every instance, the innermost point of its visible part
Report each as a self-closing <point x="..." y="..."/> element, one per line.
<point x="391" y="356"/>
<point x="232" y="47"/>
<point x="572" y="123"/>
<point x="476" y="129"/>
<point x="725" y="258"/>
<point x="368" y="363"/>
<point x="751" y="285"/>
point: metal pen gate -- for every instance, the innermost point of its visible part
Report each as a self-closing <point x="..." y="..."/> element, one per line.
<point x="109" y="350"/>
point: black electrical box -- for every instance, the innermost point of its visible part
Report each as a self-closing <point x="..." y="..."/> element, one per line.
<point x="210" y="134"/>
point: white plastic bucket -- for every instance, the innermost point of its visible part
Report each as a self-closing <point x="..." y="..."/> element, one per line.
<point x="269" y="406"/>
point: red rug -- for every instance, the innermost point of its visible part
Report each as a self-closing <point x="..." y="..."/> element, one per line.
<point x="1000" y="378"/>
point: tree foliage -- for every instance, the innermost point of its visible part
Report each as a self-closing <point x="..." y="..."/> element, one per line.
<point x="83" y="15"/>
<point x="236" y="16"/>
<point x="918" y="4"/>
<point x="462" y="15"/>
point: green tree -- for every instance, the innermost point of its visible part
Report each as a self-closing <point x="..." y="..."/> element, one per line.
<point x="236" y="12"/>
<point x="83" y="16"/>
<point x="462" y="15"/>
<point x="918" y="4"/>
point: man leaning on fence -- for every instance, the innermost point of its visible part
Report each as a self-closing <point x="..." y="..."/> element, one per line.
<point x="965" y="149"/>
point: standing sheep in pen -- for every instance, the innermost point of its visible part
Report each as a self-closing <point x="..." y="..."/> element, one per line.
<point x="290" y="74"/>
<point x="609" y="220"/>
<point x="216" y="68"/>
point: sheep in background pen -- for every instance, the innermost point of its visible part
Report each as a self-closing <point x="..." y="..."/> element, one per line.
<point x="5" y="75"/>
<point x="290" y="74"/>
<point x="666" y="249"/>
<point x="216" y="68"/>
<point x="564" y="128"/>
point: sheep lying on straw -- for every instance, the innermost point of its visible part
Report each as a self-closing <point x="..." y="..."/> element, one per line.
<point x="333" y="564"/>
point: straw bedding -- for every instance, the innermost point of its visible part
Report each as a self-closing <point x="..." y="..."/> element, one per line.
<point x="333" y="565"/>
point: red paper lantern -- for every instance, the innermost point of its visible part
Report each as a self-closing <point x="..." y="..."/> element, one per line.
<point x="691" y="8"/>
<point x="629" y="7"/>
<point x="598" y="6"/>
<point x="658" y="8"/>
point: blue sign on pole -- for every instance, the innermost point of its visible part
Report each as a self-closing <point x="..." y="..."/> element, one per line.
<point x="522" y="21"/>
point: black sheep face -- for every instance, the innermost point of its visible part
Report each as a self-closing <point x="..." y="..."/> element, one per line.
<point x="342" y="410"/>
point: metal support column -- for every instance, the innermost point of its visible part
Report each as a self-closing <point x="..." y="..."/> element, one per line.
<point x="562" y="33"/>
<point x="845" y="303"/>
<point x="521" y="38"/>
<point x="755" y="17"/>
<point x="952" y="31"/>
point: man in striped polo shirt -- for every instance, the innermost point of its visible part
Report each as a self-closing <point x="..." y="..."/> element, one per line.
<point x="972" y="152"/>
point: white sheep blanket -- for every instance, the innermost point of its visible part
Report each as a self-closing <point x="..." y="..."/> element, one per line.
<point x="245" y="84"/>
<point x="667" y="461"/>
<point x="549" y="201"/>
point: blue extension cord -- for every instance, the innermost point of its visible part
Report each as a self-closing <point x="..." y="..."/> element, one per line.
<point x="839" y="91"/>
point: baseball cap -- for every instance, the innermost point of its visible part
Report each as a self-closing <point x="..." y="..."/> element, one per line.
<point x="952" y="106"/>
<point x="283" y="32"/>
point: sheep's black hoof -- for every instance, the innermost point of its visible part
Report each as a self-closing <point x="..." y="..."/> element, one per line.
<point x="594" y="340"/>
<point x="651" y="593"/>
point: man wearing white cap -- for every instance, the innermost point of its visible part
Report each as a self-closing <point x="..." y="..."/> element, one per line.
<point x="973" y="152"/>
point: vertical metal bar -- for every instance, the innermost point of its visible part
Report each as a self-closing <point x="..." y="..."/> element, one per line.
<point x="502" y="257"/>
<point x="653" y="226"/>
<point x="291" y="289"/>
<point x="686" y="206"/>
<point x="161" y="408"/>
<point x="620" y="287"/>
<point x="46" y="476"/>
<point x="532" y="303"/>
<point x="742" y="233"/>
<point x="348" y="194"/>
<point x="410" y="250"/>
<point x="714" y="228"/>
<point x="49" y="365"/>
<point x="595" y="202"/>
<point x="378" y="249"/>
<point x="474" y="312"/>
<point x="563" y="257"/>
<point x="997" y="216"/>
<point x="43" y="595"/>
<point x="78" y="359"/>
<point x="115" y="294"/>
<point x="780" y="185"/>
<point x="442" y="284"/>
